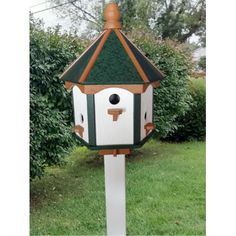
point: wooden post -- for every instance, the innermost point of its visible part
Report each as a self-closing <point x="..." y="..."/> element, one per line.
<point x="115" y="194"/>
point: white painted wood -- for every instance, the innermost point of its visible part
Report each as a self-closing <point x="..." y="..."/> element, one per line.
<point x="109" y="132"/>
<point x="146" y="107"/>
<point x="115" y="194"/>
<point x="80" y="109"/>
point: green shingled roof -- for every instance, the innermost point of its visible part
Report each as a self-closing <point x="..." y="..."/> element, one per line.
<point x="151" y="71"/>
<point x="76" y="69"/>
<point x="113" y="65"/>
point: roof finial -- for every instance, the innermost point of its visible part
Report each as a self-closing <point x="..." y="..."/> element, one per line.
<point x="112" y="16"/>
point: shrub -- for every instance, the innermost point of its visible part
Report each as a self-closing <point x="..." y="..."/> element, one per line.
<point x="192" y="125"/>
<point x="172" y="99"/>
<point x="50" y="103"/>
<point x="202" y="63"/>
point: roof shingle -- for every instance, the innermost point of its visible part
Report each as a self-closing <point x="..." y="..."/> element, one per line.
<point x="114" y="64"/>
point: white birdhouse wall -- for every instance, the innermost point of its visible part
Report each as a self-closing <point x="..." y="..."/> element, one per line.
<point x="146" y="110"/>
<point x="114" y="117"/>
<point x="80" y="112"/>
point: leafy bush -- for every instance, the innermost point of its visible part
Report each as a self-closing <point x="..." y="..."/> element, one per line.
<point x="192" y="125"/>
<point x="202" y="63"/>
<point x="172" y="99"/>
<point x="50" y="103"/>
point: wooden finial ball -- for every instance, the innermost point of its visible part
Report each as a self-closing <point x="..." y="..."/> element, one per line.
<point x="112" y="16"/>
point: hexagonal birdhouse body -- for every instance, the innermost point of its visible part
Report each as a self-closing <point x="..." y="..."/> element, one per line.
<point x="112" y="84"/>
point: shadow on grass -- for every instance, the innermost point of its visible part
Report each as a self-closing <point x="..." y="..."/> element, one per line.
<point x="64" y="181"/>
<point x="149" y="151"/>
<point x="49" y="189"/>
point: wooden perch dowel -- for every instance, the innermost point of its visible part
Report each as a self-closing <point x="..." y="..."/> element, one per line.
<point x="148" y="127"/>
<point x="79" y="129"/>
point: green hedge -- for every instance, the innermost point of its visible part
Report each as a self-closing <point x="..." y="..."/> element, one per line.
<point x="50" y="103"/>
<point x="192" y="125"/>
<point x="202" y="63"/>
<point x="173" y="98"/>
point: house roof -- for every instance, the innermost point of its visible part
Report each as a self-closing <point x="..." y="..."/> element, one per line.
<point x="112" y="59"/>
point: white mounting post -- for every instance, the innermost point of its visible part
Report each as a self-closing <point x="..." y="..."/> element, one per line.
<point x="115" y="194"/>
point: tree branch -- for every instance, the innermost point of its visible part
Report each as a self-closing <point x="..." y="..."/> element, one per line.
<point x="87" y="19"/>
<point x="190" y="33"/>
<point x="166" y="5"/>
<point x="86" y="13"/>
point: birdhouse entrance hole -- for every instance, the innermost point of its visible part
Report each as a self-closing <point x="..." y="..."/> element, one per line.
<point x="114" y="99"/>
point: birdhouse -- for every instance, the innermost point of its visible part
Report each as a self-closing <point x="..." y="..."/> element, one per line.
<point x="112" y="84"/>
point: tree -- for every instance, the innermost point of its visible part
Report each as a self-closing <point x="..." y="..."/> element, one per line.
<point x="172" y="19"/>
<point x="180" y="19"/>
<point x="85" y="18"/>
<point x="192" y="124"/>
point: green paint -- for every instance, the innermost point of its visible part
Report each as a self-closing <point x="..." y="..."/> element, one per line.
<point x="137" y="117"/>
<point x="82" y="141"/>
<point x="75" y="72"/>
<point x="113" y="65"/>
<point x="91" y="119"/>
<point x="151" y="71"/>
<point x="121" y="146"/>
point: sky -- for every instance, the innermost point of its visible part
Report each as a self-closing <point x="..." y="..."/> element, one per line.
<point x="50" y="17"/>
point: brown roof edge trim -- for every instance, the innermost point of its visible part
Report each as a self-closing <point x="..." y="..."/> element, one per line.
<point x="156" y="84"/>
<point x="94" y="56"/>
<point x="74" y="62"/>
<point x="69" y="85"/>
<point x="141" y="53"/>
<point x="92" y="89"/>
<point x="132" y="57"/>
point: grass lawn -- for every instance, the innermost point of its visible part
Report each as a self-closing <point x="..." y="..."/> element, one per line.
<point x="165" y="193"/>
